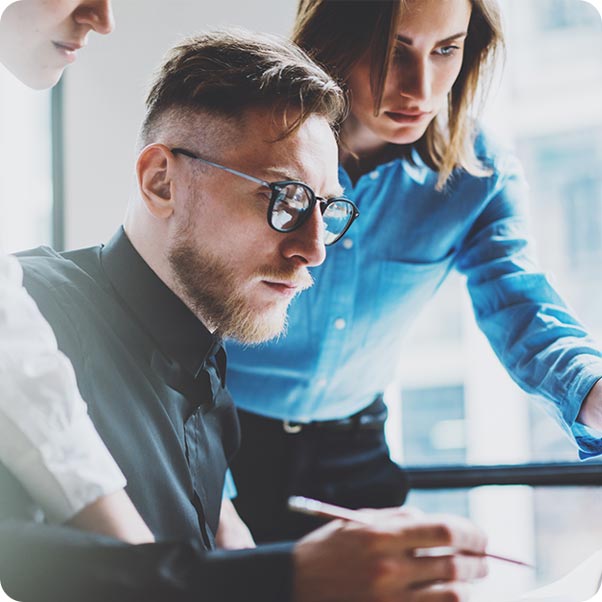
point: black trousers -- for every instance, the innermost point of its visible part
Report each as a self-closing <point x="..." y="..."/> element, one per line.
<point x="343" y="462"/>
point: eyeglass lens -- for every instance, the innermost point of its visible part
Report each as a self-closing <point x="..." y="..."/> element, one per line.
<point x="291" y="203"/>
<point x="336" y="217"/>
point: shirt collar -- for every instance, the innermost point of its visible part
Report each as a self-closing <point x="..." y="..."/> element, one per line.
<point x="164" y="316"/>
<point x="416" y="168"/>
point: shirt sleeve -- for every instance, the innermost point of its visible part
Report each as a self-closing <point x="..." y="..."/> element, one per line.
<point x="47" y="439"/>
<point x="45" y="563"/>
<point x="57" y="563"/>
<point x="545" y="349"/>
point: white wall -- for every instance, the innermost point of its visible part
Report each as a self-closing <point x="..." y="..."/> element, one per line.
<point x="104" y="94"/>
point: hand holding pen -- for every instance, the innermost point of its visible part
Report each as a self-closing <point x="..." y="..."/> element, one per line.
<point x="385" y="555"/>
<point x="375" y="559"/>
<point x="317" y="508"/>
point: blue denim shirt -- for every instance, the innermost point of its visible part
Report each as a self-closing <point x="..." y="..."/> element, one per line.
<point x="344" y="334"/>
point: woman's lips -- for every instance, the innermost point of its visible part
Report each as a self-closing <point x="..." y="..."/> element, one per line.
<point x="68" y="50"/>
<point x="407" y="117"/>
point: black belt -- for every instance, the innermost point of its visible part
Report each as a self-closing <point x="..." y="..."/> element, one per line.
<point x="371" y="417"/>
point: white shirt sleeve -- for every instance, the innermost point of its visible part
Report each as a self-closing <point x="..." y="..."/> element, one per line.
<point x="47" y="439"/>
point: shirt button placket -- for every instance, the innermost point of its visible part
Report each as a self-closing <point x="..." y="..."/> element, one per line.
<point x="338" y="313"/>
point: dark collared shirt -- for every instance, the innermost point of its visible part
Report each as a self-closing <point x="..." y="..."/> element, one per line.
<point x="154" y="380"/>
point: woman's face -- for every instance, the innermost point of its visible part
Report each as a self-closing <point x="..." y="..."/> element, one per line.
<point x="427" y="60"/>
<point x="39" y="38"/>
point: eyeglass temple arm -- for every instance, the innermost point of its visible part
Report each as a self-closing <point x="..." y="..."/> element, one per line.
<point x="182" y="151"/>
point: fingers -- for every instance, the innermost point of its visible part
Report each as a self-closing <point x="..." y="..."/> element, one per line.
<point x="345" y="561"/>
<point x="408" y="573"/>
<point x="444" y="592"/>
<point x="456" y="567"/>
<point x="406" y="534"/>
<point x="378" y="515"/>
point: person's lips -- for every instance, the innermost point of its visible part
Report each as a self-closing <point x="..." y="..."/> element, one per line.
<point x="285" y="283"/>
<point x="409" y="116"/>
<point x="285" y="289"/>
<point x="68" y="49"/>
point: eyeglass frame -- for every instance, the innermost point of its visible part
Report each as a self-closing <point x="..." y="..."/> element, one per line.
<point x="276" y="187"/>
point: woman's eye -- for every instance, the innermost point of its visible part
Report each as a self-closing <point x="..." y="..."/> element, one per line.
<point x="447" y="50"/>
<point x="399" y="53"/>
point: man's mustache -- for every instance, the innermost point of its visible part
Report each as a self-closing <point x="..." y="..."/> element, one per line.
<point x="298" y="277"/>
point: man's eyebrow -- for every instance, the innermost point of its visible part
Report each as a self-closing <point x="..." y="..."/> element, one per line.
<point x="275" y="172"/>
<point x="338" y="191"/>
<point x="272" y="173"/>
<point x="410" y="42"/>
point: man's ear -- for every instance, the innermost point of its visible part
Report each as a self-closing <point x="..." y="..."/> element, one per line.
<point x="154" y="171"/>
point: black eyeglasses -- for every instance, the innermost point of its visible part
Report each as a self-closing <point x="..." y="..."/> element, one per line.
<point x="292" y="203"/>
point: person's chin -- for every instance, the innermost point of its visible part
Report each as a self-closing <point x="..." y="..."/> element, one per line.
<point x="406" y="134"/>
<point x="50" y="81"/>
<point x="272" y="322"/>
<point x="261" y="330"/>
<point x="39" y="79"/>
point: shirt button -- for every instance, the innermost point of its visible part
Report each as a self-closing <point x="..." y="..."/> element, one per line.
<point x="348" y="243"/>
<point x="340" y="324"/>
<point x="322" y="382"/>
<point x="374" y="175"/>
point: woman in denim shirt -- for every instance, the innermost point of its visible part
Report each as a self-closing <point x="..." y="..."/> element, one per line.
<point x="435" y="194"/>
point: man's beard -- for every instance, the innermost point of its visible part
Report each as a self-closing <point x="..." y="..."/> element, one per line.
<point x="209" y="287"/>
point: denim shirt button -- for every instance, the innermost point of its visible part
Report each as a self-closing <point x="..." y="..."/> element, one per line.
<point x="374" y="175"/>
<point x="340" y="324"/>
<point x="347" y="243"/>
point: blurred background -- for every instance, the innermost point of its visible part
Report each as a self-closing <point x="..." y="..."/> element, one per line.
<point x="69" y="158"/>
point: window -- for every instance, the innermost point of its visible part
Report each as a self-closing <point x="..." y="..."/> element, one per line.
<point x="564" y="14"/>
<point x="569" y="188"/>
<point x="435" y="433"/>
<point x="26" y="191"/>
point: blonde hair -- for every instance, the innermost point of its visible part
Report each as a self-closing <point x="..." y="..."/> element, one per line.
<point x="337" y="33"/>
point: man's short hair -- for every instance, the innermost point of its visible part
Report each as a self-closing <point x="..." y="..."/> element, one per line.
<point x="226" y="72"/>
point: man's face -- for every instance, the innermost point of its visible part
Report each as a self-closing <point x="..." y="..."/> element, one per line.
<point x="238" y="274"/>
<point x="39" y="38"/>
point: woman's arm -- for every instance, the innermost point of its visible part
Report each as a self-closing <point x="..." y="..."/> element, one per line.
<point x="536" y="336"/>
<point x="47" y="439"/>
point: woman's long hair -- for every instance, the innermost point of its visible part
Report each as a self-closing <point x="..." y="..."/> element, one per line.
<point x="338" y="33"/>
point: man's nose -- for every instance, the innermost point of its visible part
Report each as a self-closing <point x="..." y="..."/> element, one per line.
<point x="307" y="242"/>
<point x="96" y="14"/>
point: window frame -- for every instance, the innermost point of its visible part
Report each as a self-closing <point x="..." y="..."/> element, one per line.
<point x="564" y="474"/>
<point x="58" y="167"/>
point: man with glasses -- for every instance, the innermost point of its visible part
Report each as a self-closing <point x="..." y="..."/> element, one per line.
<point x="237" y="197"/>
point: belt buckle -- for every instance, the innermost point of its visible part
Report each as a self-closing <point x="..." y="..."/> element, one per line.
<point x="292" y="427"/>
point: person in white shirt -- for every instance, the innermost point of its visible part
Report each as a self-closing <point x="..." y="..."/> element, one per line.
<point x="47" y="440"/>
